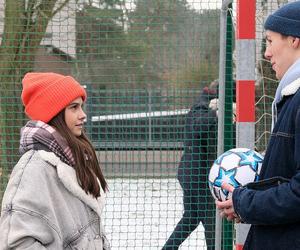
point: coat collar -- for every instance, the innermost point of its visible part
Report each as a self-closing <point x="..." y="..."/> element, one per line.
<point x="291" y="88"/>
<point x="67" y="176"/>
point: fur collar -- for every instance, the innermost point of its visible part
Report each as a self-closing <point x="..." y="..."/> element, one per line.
<point x="291" y="88"/>
<point x="67" y="176"/>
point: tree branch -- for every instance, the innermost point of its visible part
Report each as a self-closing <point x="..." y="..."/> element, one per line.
<point x="60" y="7"/>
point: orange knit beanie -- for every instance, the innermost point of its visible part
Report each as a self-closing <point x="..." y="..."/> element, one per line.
<point x="44" y="95"/>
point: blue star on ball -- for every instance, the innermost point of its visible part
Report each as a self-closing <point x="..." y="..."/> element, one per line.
<point x="226" y="176"/>
<point x="251" y="159"/>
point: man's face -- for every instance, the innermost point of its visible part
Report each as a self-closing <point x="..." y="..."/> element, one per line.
<point x="280" y="52"/>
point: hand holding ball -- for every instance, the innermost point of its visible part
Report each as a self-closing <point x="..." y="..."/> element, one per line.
<point x="237" y="167"/>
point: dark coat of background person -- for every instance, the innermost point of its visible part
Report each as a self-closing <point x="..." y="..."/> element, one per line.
<point x="200" y="147"/>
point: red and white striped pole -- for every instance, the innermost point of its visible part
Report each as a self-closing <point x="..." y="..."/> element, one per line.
<point x="245" y="87"/>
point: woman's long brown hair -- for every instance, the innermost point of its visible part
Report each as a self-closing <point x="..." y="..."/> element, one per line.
<point x="86" y="166"/>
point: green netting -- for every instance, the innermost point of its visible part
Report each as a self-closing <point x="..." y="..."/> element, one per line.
<point x="144" y="64"/>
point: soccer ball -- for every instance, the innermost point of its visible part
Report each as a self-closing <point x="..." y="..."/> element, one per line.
<point x="237" y="167"/>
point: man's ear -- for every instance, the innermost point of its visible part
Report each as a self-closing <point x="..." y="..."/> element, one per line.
<point x="296" y="42"/>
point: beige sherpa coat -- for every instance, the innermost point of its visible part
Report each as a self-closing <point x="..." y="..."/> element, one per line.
<point x="45" y="208"/>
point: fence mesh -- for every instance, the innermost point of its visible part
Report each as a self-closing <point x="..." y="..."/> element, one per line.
<point x="149" y="68"/>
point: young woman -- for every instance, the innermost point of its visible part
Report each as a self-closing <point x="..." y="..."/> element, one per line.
<point x="56" y="191"/>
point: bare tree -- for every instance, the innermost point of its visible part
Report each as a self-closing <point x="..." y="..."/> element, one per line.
<point x="25" y="23"/>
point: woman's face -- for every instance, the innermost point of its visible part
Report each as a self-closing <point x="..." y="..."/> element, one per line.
<point x="75" y="116"/>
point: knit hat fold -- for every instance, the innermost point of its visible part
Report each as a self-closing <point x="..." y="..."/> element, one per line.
<point x="286" y="20"/>
<point x="44" y="95"/>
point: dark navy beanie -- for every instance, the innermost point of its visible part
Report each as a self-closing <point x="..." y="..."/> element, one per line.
<point x="286" y="20"/>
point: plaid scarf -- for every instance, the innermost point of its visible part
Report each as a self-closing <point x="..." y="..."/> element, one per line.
<point x="38" y="135"/>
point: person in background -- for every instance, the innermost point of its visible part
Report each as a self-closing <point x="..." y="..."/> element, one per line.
<point x="56" y="191"/>
<point x="272" y="205"/>
<point x="200" y="147"/>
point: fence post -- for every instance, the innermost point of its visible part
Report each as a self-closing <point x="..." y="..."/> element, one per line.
<point x="229" y="135"/>
<point x="221" y="105"/>
<point x="245" y="85"/>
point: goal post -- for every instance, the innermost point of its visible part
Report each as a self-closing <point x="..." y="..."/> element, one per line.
<point x="245" y="87"/>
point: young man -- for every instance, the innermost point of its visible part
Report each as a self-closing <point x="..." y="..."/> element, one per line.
<point x="272" y="206"/>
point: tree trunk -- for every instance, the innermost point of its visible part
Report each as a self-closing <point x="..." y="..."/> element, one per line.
<point x="24" y="28"/>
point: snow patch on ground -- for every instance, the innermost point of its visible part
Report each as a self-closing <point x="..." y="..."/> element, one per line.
<point x="140" y="214"/>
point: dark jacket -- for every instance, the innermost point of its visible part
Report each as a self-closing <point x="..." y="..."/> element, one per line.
<point x="275" y="212"/>
<point x="199" y="144"/>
